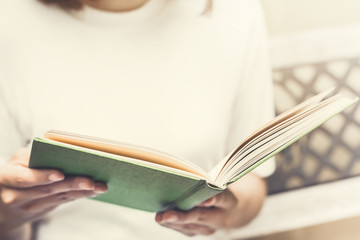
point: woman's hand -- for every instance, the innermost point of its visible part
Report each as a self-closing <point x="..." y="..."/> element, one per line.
<point x="204" y="219"/>
<point x="230" y="209"/>
<point x="27" y="194"/>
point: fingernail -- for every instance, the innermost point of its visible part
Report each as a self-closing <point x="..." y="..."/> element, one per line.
<point x="100" y="188"/>
<point x="86" y="186"/>
<point x="55" y="177"/>
<point x="172" y="218"/>
<point x="208" y="202"/>
<point x="100" y="191"/>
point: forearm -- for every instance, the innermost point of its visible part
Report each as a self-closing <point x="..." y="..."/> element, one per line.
<point x="21" y="233"/>
<point x="250" y="192"/>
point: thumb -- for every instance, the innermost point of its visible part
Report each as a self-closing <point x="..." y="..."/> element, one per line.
<point x="226" y="199"/>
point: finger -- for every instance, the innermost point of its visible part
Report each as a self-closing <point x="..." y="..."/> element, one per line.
<point x="40" y="205"/>
<point x="210" y="217"/>
<point x="16" y="197"/>
<point x="224" y="200"/>
<point x="191" y="229"/>
<point x="22" y="177"/>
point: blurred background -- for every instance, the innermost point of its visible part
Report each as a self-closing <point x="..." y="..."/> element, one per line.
<point x="314" y="193"/>
<point x="290" y="16"/>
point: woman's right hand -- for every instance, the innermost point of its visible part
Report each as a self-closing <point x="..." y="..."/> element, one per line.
<point x="27" y="194"/>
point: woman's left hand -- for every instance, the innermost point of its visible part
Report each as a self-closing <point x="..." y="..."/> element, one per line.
<point x="232" y="208"/>
<point x="204" y="219"/>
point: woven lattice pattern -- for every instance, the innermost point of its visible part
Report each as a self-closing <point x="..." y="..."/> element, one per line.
<point x="331" y="152"/>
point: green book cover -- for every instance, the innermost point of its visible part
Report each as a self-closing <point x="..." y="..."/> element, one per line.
<point x="129" y="184"/>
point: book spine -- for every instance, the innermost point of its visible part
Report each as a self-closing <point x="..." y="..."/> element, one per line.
<point x="196" y="195"/>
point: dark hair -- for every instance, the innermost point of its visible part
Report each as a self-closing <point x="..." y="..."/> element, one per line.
<point x="66" y="4"/>
<point x="76" y="4"/>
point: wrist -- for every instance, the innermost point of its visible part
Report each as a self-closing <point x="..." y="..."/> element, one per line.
<point x="20" y="233"/>
<point x="250" y="193"/>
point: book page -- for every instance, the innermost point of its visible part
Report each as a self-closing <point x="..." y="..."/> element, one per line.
<point x="311" y="102"/>
<point x="279" y="133"/>
<point x="307" y="124"/>
<point x="281" y="128"/>
<point x="126" y="150"/>
<point x="285" y="135"/>
<point x="220" y="167"/>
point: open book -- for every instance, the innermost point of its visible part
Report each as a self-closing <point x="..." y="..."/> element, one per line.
<point x="151" y="180"/>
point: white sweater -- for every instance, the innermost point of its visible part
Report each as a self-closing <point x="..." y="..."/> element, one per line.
<point x="164" y="76"/>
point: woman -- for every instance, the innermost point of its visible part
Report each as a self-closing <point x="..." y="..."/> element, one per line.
<point x="187" y="77"/>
